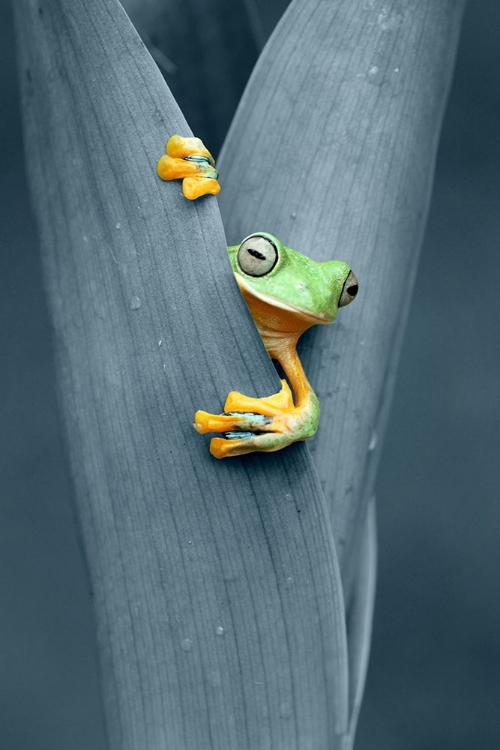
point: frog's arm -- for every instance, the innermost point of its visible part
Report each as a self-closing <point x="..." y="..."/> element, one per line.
<point x="266" y="424"/>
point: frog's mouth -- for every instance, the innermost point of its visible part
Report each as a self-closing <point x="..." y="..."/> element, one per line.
<point x="272" y="301"/>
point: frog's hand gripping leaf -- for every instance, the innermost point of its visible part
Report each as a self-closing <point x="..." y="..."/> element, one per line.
<point x="187" y="159"/>
<point x="286" y="293"/>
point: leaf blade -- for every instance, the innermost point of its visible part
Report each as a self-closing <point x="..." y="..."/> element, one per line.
<point x="177" y="544"/>
<point x="336" y="137"/>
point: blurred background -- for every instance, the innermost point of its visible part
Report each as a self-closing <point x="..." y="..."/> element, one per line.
<point x="434" y="678"/>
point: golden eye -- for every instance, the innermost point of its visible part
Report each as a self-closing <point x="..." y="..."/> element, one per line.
<point x="257" y="255"/>
<point x="349" y="290"/>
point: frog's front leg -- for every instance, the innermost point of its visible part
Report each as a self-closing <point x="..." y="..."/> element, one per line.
<point x="263" y="424"/>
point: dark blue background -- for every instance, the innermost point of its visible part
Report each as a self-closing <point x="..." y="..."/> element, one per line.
<point x="434" y="680"/>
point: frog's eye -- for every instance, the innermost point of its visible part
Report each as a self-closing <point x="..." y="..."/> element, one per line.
<point x="349" y="290"/>
<point x="257" y="255"/>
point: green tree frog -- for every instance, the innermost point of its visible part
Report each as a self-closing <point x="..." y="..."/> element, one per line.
<point x="286" y="293"/>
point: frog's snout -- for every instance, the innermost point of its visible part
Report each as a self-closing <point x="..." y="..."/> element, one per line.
<point x="349" y="290"/>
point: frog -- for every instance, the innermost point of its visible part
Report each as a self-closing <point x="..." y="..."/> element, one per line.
<point x="286" y="293"/>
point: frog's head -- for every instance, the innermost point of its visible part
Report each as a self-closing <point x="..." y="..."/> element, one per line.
<point x="268" y="271"/>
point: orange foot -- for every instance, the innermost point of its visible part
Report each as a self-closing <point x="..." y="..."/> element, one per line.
<point x="188" y="160"/>
<point x="258" y="424"/>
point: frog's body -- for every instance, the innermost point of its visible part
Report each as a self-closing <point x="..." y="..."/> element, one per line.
<point x="286" y="293"/>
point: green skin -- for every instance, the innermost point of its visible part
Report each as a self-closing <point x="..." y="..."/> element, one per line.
<point x="295" y="294"/>
<point x="298" y="281"/>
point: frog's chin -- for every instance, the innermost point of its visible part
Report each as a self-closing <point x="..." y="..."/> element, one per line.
<point x="269" y="300"/>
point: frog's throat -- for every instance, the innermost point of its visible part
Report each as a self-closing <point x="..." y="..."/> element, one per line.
<point x="269" y="300"/>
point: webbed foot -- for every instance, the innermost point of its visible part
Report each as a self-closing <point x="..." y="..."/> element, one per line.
<point x="259" y="424"/>
<point x="188" y="160"/>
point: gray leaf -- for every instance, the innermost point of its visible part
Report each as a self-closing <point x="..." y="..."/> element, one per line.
<point x="218" y="602"/>
<point x="332" y="149"/>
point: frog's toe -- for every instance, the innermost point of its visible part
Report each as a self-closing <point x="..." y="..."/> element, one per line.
<point x="230" y="422"/>
<point x="225" y="447"/>
<point x="238" y="443"/>
<point x="205" y="422"/>
<point x="270" y="406"/>
<point x="195" y="187"/>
